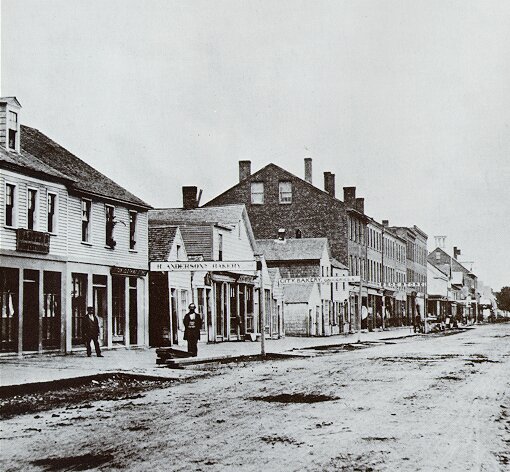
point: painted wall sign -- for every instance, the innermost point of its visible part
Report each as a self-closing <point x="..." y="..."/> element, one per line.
<point x="206" y="266"/>
<point x="28" y="240"/>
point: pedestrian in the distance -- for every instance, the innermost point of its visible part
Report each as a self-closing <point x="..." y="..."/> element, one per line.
<point x="91" y="332"/>
<point x="192" y="326"/>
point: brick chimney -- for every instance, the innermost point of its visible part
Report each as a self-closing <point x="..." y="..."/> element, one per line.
<point x="189" y="198"/>
<point x="349" y="195"/>
<point x="329" y="183"/>
<point x="360" y="205"/>
<point x="456" y="252"/>
<point x="308" y="169"/>
<point x="10" y="123"/>
<point x="385" y="223"/>
<point x="244" y="170"/>
<point x="281" y="234"/>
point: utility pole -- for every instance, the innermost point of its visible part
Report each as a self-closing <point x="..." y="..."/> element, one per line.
<point x="360" y="297"/>
<point x="382" y="282"/>
<point x="261" y="308"/>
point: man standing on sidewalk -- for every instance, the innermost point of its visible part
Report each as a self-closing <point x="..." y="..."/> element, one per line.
<point x="91" y="332"/>
<point x="192" y="326"/>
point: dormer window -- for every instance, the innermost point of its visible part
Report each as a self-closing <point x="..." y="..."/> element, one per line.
<point x="285" y="192"/>
<point x="13" y="128"/>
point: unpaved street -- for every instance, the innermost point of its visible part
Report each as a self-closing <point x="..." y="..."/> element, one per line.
<point x="427" y="403"/>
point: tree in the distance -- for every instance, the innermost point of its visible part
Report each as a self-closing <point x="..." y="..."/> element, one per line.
<point x="503" y="298"/>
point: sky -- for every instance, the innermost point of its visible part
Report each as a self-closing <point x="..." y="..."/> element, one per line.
<point x="409" y="101"/>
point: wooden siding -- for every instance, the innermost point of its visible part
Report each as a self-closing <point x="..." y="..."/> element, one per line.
<point x="96" y="251"/>
<point x="58" y="241"/>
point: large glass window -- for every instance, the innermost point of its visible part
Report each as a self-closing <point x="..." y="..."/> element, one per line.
<point x="285" y="192"/>
<point x="257" y="193"/>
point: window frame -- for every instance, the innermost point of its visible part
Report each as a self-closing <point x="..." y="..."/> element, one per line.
<point x="54" y="219"/>
<point x="14" y="206"/>
<point x="283" y="195"/>
<point x="88" y="203"/>
<point x="109" y="226"/>
<point x="258" y="193"/>
<point x="35" y="211"/>
<point x="133" y="232"/>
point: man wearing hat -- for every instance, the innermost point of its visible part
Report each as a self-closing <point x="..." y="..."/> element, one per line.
<point x="192" y="325"/>
<point x="91" y="331"/>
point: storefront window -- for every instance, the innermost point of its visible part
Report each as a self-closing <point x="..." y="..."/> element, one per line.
<point x="51" y="314"/>
<point x="78" y="306"/>
<point x="9" y="280"/>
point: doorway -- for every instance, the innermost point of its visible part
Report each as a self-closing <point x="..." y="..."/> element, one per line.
<point x="30" y="310"/>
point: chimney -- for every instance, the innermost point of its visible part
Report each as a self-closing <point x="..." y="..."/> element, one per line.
<point x="360" y="205"/>
<point x="385" y="223"/>
<point x="244" y="170"/>
<point x="329" y="183"/>
<point x="456" y="252"/>
<point x="281" y="234"/>
<point x="189" y="198"/>
<point x="10" y="123"/>
<point x="349" y="195"/>
<point x="308" y="169"/>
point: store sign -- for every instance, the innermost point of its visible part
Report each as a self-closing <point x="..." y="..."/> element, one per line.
<point x="28" y="240"/>
<point x="206" y="266"/>
<point x="128" y="271"/>
<point x="320" y="280"/>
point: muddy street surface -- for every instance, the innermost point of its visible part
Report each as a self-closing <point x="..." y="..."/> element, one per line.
<point x="418" y="404"/>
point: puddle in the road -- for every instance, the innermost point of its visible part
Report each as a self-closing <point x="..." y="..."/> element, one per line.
<point x="83" y="462"/>
<point x="296" y="398"/>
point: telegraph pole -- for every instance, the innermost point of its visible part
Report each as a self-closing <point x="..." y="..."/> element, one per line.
<point x="261" y="309"/>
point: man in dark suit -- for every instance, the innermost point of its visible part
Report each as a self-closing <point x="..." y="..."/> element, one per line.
<point x="91" y="332"/>
<point x="192" y="325"/>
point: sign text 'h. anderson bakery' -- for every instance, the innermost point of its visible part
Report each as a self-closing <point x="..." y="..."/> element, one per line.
<point x="206" y="266"/>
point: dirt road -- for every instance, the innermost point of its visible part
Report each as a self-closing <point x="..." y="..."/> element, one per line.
<point x="421" y="404"/>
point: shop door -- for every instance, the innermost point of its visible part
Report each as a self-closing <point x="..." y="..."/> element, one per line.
<point x="78" y="306"/>
<point x="51" y="315"/>
<point x="133" y="311"/>
<point x="118" y="309"/>
<point x="30" y="310"/>
<point x="8" y="309"/>
<point x="99" y="294"/>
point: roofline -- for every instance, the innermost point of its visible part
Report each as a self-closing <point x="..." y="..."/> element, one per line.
<point x="97" y="196"/>
<point x="283" y="170"/>
<point x="21" y="169"/>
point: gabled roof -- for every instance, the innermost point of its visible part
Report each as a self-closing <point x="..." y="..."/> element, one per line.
<point x="223" y="215"/>
<point x="337" y="264"/>
<point x="226" y="215"/>
<point x="297" y="293"/>
<point x="198" y="240"/>
<point x="11" y="101"/>
<point x="26" y="162"/>
<point x="161" y="240"/>
<point x="292" y="249"/>
<point x="85" y="178"/>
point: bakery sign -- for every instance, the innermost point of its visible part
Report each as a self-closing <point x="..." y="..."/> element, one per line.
<point x="28" y="240"/>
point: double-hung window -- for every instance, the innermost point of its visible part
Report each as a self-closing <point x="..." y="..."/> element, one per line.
<point x="285" y="192"/>
<point x="31" y="208"/>
<point x="86" y="206"/>
<point x="109" y="225"/>
<point x="10" y="205"/>
<point x="132" y="230"/>
<point x="257" y="193"/>
<point x="52" y="213"/>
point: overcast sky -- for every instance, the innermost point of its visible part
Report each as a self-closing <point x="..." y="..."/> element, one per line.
<point x="409" y="101"/>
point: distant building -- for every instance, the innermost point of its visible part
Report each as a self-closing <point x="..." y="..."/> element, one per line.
<point x="228" y="300"/>
<point x="70" y="238"/>
<point x="310" y="257"/>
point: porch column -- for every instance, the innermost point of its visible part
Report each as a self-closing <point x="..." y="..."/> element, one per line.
<point x="40" y="278"/>
<point x="21" y="278"/>
<point x="127" y="309"/>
